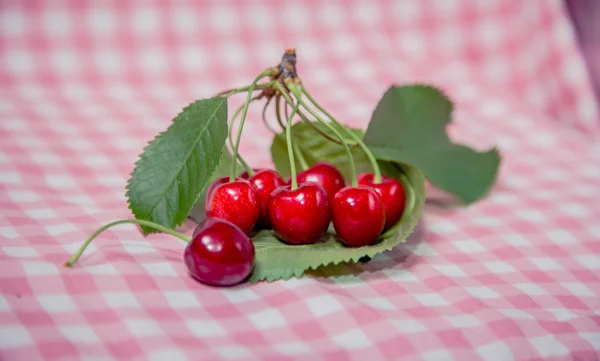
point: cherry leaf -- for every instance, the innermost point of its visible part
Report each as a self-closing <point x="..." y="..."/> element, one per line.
<point x="409" y="125"/>
<point x="176" y="165"/>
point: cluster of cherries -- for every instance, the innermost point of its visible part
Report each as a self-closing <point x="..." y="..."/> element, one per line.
<point x="221" y="251"/>
<point x="299" y="211"/>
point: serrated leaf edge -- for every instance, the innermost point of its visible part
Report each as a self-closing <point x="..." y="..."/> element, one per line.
<point x="142" y="155"/>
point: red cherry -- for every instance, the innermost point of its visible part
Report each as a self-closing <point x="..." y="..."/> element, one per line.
<point x="324" y="174"/>
<point x="265" y="181"/>
<point x="392" y="196"/>
<point x="300" y="216"/>
<point x="220" y="254"/>
<point x="214" y="184"/>
<point x="237" y="202"/>
<point x="358" y="216"/>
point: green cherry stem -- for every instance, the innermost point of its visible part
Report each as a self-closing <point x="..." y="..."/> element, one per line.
<point x="140" y="222"/>
<point x="241" y="127"/>
<point x="322" y="133"/>
<point x="304" y="119"/>
<point x="278" y="112"/>
<point x="356" y="138"/>
<point x="288" y="138"/>
<point x="300" y="156"/>
<point x="287" y="105"/>
<point x="247" y="168"/>
<point x="297" y="152"/>
<point x="297" y="91"/>
<point x="230" y="92"/>
<point x="264" y="116"/>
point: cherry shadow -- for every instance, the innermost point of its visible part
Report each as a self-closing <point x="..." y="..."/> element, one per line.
<point x="402" y="255"/>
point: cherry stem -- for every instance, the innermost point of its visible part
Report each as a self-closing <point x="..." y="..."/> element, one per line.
<point x="288" y="138"/>
<point x="304" y="119"/>
<point x="300" y="156"/>
<point x="308" y="122"/>
<point x="230" y="138"/>
<point x="278" y="111"/>
<point x="285" y="108"/>
<point x="369" y="154"/>
<point x="264" y="116"/>
<point x="140" y="222"/>
<point x="243" y="120"/>
<point x="298" y="94"/>
<point x="297" y="152"/>
<point x="321" y="132"/>
<point x="230" y="92"/>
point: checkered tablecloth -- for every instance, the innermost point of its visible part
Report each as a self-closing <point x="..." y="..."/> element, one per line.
<point x="85" y="84"/>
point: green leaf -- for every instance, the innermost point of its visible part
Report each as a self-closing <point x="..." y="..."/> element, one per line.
<point x="176" y="165"/>
<point x="315" y="147"/>
<point x="409" y="124"/>
<point x="276" y="260"/>
<point x="198" y="213"/>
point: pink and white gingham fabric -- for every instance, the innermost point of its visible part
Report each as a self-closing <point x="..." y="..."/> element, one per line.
<point x="85" y="84"/>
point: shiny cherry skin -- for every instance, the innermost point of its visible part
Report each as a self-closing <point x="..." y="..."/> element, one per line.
<point x="265" y="181"/>
<point x="237" y="202"/>
<point x="358" y="216"/>
<point x="324" y="174"/>
<point x="391" y="193"/>
<point x="220" y="254"/>
<point x="214" y="184"/>
<point x="300" y="216"/>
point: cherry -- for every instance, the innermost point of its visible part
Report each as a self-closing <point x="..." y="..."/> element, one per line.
<point x="220" y="254"/>
<point x="326" y="175"/>
<point x="392" y="196"/>
<point x="265" y="181"/>
<point x="215" y="183"/>
<point x="237" y="202"/>
<point x="301" y="215"/>
<point x="358" y="215"/>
